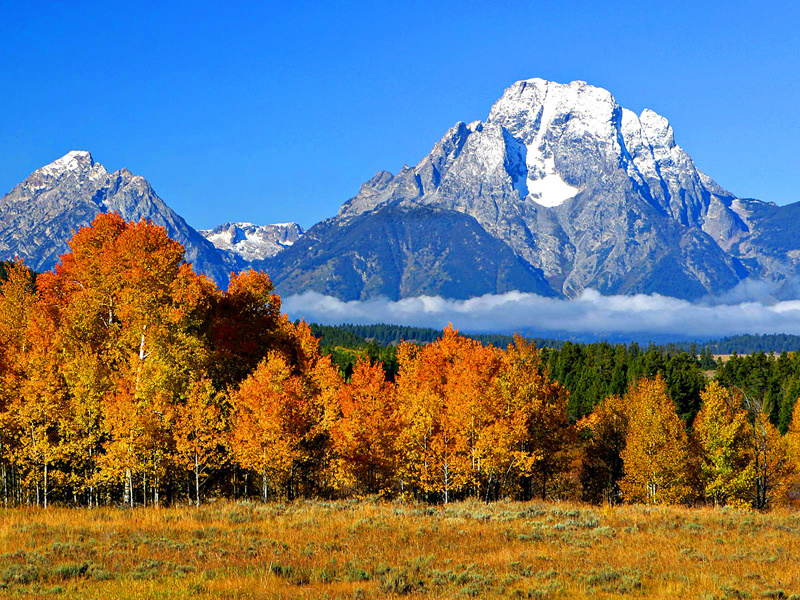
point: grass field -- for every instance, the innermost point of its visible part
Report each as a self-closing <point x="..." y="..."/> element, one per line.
<point x="364" y="549"/>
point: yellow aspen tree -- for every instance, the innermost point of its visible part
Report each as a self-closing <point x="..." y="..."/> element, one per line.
<point x="89" y="382"/>
<point x="41" y="407"/>
<point x="124" y="435"/>
<point x="198" y="431"/>
<point x="727" y="471"/>
<point x="656" y="454"/>
<point x="793" y="437"/>
<point x="770" y="461"/>
<point x="535" y="407"/>
<point x="17" y="301"/>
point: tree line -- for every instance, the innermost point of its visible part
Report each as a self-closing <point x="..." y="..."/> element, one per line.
<point x="126" y="378"/>
<point x="593" y="371"/>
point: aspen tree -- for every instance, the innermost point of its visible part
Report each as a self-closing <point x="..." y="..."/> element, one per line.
<point x="363" y="429"/>
<point x="727" y="471"/>
<point x="198" y="431"/>
<point x="656" y="454"/>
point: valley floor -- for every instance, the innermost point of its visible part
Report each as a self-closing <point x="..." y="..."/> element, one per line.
<point x="363" y="549"/>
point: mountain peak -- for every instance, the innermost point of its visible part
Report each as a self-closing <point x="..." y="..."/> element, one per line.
<point x="76" y="163"/>
<point x="657" y="128"/>
<point x="253" y="242"/>
<point x="75" y="160"/>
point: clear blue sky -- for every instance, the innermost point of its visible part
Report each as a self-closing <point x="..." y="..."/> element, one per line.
<point x="278" y="111"/>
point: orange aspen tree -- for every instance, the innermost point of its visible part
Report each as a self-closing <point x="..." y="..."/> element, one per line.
<point x="656" y="454"/>
<point x="440" y="389"/>
<point x="270" y="422"/>
<point x="124" y="297"/>
<point x="727" y="471"/>
<point x="198" y="431"/>
<point x="363" y="430"/>
<point x="247" y="323"/>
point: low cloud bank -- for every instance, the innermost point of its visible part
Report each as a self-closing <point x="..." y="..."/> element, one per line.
<point x="749" y="308"/>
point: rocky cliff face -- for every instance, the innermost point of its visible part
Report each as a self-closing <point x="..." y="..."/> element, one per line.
<point x="38" y="217"/>
<point x="581" y="190"/>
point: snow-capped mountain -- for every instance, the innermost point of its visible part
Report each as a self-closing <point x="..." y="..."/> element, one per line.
<point x="560" y="189"/>
<point x="38" y="217"/>
<point x="253" y="242"/>
<point x="581" y="191"/>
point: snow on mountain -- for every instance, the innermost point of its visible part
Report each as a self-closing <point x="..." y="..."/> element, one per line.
<point x="253" y="242"/>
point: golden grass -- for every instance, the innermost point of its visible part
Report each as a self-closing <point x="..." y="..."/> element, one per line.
<point x="364" y="549"/>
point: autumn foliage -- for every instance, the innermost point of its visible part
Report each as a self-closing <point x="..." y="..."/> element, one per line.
<point x="126" y="378"/>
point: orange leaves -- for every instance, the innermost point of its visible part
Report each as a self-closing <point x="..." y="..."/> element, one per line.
<point x="363" y="430"/>
<point x="273" y="422"/>
<point x="474" y="417"/>
<point x="440" y="390"/>
<point x="124" y="372"/>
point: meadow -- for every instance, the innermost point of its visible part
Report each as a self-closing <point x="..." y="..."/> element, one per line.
<point x="370" y="549"/>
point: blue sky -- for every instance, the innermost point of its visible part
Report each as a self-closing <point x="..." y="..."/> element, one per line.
<point x="279" y="111"/>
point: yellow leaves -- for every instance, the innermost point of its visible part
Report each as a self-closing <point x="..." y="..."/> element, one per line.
<point x="656" y="454"/>
<point x="199" y="426"/>
<point x="793" y="436"/>
<point x="721" y="434"/>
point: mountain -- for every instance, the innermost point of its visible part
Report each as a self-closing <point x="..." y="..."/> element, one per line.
<point x="566" y="190"/>
<point x="253" y="242"/>
<point x="560" y="189"/>
<point x="402" y="251"/>
<point x="38" y="217"/>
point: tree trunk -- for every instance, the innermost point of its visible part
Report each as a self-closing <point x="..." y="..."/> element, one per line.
<point x="544" y="487"/>
<point x="45" y="484"/>
<point x="197" y="480"/>
<point x="129" y="487"/>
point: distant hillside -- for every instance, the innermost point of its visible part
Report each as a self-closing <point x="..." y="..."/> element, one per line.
<point x="749" y="344"/>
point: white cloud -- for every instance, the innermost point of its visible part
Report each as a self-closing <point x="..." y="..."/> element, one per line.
<point x="749" y="308"/>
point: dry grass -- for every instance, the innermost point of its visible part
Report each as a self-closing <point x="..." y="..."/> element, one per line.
<point x="362" y="549"/>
